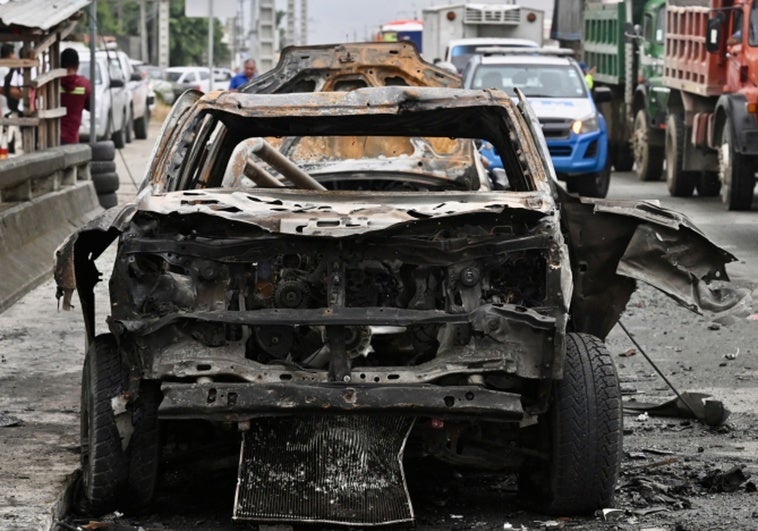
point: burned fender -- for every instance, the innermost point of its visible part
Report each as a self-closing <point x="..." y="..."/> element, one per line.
<point x="615" y="243"/>
<point x="75" y="261"/>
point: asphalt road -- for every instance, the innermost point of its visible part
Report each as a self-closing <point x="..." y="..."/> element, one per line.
<point x="666" y="463"/>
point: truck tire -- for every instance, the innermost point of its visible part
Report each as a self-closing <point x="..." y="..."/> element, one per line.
<point x="623" y="157"/>
<point x="708" y="184"/>
<point x="140" y="126"/>
<point x="680" y="183"/>
<point x="649" y="159"/>
<point x="119" y="140"/>
<point x="736" y="174"/>
<point x="580" y="435"/>
<point x="129" y="127"/>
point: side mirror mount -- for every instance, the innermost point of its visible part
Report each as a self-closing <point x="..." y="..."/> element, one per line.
<point x="713" y="33"/>
<point x="136" y="76"/>
<point x="601" y="94"/>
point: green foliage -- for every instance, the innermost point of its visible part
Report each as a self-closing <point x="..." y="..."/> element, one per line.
<point x="188" y="37"/>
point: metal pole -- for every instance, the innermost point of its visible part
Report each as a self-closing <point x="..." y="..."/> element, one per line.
<point x="92" y="72"/>
<point x="210" y="43"/>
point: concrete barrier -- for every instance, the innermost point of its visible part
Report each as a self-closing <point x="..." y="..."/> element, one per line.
<point x="44" y="196"/>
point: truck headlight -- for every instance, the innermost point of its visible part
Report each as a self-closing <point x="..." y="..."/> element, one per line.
<point x="585" y="125"/>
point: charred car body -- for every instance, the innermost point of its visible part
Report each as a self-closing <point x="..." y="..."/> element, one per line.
<point x="333" y="273"/>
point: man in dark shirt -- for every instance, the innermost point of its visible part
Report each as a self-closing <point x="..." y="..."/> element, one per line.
<point x="11" y="82"/>
<point x="75" y="92"/>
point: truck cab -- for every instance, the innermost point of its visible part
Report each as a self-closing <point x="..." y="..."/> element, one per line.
<point x="574" y="130"/>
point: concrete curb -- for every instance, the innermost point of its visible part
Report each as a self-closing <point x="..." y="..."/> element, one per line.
<point x="32" y="230"/>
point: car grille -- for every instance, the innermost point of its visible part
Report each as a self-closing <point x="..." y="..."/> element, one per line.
<point x="556" y="128"/>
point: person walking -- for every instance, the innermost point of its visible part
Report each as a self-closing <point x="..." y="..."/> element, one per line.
<point x="75" y="93"/>
<point x="247" y="74"/>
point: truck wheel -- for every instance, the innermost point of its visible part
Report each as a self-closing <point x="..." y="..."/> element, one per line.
<point x="580" y="436"/>
<point x="708" y="184"/>
<point x="736" y="174"/>
<point x="649" y="159"/>
<point x="119" y="139"/>
<point x="104" y="465"/>
<point x="623" y="157"/>
<point x="680" y="183"/>
<point x="111" y="475"/>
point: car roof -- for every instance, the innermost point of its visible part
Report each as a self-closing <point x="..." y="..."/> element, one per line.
<point x="550" y="60"/>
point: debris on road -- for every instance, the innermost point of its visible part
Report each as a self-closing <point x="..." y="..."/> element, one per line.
<point x="628" y="353"/>
<point x="687" y="405"/>
<point x="6" y="421"/>
<point x="729" y="481"/>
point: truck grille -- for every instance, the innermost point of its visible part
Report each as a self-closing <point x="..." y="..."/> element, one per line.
<point x="556" y="128"/>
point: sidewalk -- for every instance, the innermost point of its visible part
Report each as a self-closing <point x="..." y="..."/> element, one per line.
<point x="41" y="356"/>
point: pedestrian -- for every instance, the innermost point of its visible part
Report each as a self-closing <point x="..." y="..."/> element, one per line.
<point x="75" y="93"/>
<point x="589" y="74"/>
<point x="247" y="74"/>
<point x="12" y="83"/>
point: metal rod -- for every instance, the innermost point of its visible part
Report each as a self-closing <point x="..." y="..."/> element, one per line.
<point x="283" y="165"/>
<point x="642" y="351"/>
<point x="260" y="176"/>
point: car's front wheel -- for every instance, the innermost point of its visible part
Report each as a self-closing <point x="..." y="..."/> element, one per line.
<point x="117" y="470"/>
<point x="591" y="185"/>
<point x="578" y="442"/>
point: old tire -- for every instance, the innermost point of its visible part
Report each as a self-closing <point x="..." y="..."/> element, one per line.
<point x="680" y="183"/>
<point x="105" y="183"/>
<point x="104" y="464"/>
<point x="623" y="157"/>
<point x="736" y="174"/>
<point x="114" y="476"/>
<point x="581" y="435"/>
<point x="648" y="158"/>
<point x="98" y="167"/>
<point x="141" y="125"/>
<point x="104" y="150"/>
<point x="708" y="184"/>
<point x="107" y="200"/>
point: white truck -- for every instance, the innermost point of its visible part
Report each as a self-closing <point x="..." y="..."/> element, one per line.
<point x="453" y="32"/>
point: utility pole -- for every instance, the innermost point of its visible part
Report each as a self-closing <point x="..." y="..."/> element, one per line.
<point x="143" y="31"/>
<point x="163" y="45"/>
<point x="303" y="22"/>
<point x="290" y="31"/>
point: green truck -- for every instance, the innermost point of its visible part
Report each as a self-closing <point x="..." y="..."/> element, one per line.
<point x="624" y="43"/>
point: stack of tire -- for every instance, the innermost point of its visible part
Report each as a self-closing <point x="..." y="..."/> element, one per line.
<point x="103" y="172"/>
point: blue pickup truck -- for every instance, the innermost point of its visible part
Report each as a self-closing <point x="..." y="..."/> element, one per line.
<point x="574" y="130"/>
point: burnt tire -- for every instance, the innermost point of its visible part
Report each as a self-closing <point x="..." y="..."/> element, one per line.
<point x="104" y="464"/>
<point x="680" y="183"/>
<point x="114" y="476"/>
<point x="103" y="151"/>
<point x="648" y="158"/>
<point x="708" y="184"/>
<point x="107" y="200"/>
<point x="736" y="173"/>
<point x="580" y="436"/>
<point x="105" y="183"/>
<point x="141" y="125"/>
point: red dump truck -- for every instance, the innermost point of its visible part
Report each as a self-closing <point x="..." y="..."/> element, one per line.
<point x="711" y="66"/>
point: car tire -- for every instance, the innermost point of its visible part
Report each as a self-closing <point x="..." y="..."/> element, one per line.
<point x="580" y="436"/>
<point x="141" y="125"/>
<point x="107" y="200"/>
<point x="105" y="183"/>
<point x="104" y="464"/>
<point x="648" y="158"/>
<point x="708" y="184"/>
<point x="118" y="137"/>
<point x="680" y="183"/>
<point x="129" y="126"/>
<point x="144" y="449"/>
<point x="104" y="150"/>
<point x="592" y="184"/>
<point x="98" y="167"/>
<point x="736" y="173"/>
<point x="623" y="157"/>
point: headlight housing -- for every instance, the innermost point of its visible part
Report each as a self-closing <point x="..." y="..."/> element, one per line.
<point x="588" y="124"/>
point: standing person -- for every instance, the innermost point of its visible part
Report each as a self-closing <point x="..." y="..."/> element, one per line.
<point x="248" y="73"/>
<point x="75" y="91"/>
<point x="12" y="81"/>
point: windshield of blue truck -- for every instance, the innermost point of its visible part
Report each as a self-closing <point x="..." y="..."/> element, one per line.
<point x="536" y="81"/>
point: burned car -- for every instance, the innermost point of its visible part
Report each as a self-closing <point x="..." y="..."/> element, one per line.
<point x="334" y="275"/>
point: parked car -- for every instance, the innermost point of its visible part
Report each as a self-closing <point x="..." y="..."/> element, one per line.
<point x="576" y="133"/>
<point x="158" y="82"/>
<point x="183" y="78"/>
<point x="111" y="98"/>
<point x="139" y="91"/>
<point x="333" y="274"/>
<point x="143" y="72"/>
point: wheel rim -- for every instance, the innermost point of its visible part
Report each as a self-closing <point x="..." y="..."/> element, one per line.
<point x="725" y="161"/>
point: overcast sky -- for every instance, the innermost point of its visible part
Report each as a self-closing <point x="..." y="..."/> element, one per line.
<point x="332" y="21"/>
